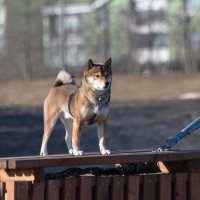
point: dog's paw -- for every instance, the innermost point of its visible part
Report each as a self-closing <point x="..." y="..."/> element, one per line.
<point x="70" y="151"/>
<point x="43" y="154"/>
<point x="78" y="153"/>
<point x="105" y="151"/>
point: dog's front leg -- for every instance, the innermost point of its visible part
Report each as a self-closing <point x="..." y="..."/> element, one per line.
<point x="101" y="126"/>
<point x="76" y="137"/>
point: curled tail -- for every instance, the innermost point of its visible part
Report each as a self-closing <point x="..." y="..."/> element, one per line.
<point x="63" y="78"/>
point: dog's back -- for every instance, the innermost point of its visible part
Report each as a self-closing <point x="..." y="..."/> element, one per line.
<point x="63" y="86"/>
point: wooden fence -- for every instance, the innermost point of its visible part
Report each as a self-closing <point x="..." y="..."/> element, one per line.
<point x="173" y="175"/>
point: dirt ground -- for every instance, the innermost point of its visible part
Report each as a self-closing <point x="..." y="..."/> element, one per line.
<point x="145" y="111"/>
<point x="125" y="89"/>
<point x="130" y="126"/>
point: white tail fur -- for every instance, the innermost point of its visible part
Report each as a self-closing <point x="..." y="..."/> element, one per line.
<point x="63" y="78"/>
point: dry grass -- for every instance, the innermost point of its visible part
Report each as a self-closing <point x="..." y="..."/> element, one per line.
<point x="125" y="89"/>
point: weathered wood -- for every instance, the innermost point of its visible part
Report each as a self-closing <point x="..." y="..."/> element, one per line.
<point x="3" y="164"/>
<point x="22" y="190"/>
<point x="38" y="190"/>
<point x="85" y="186"/>
<point x="11" y="190"/>
<point x="58" y="161"/>
<point x="182" y="166"/>
<point x="133" y="187"/>
<point x="102" y="188"/>
<point x="70" y="185"/>
<point x="17" y="190"/>
<point x="117" y="188"/>
<point x="21" y="175"/>
<point x="53" y="189"/>
<point x="165" y="183"/>
<point x="163" y="168"/>
<point x="149" y="187"/>
<point x="177" y="186"/>
<point x="194" y="183"/>
<point x="2" y="190"/>
<point x="180" y="186"/>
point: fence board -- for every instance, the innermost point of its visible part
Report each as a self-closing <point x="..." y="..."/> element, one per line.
<point x="11" y="190"/>
<point x="165" y="186"/>
<point x="149" y="187"/>
<point x="181" y="186"/>
<point x="70" y="188"/>
<point x="194" y="186"/>
<point x="117" y="188"/>
<point x="38" y="190"/>
<point x="102" y="188"/>
<point x="133" y="187"/>
<point x="17" y="190"/>
<point x="2" y="190"/>
<point x="53" y="189"/>
<point x="86" y="188"/>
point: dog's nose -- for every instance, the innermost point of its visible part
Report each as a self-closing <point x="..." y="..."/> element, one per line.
<point x="106" y="84"/>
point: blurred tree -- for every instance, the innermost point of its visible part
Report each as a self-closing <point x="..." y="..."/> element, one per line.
<point x="119" y="31"/>
<point x="184" y="33"/>
<point x="195" y="35"/>
<point x="106" y="32"/>
<point x="24" y="37"/>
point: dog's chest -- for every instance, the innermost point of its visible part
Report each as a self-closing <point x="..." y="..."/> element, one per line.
<point x="90" y="115"/>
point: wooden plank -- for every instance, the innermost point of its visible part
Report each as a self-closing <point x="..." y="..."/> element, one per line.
<point x="38" y="190"/>
<point x="149" y="184"/>
<point x="162" y="167"/>
<point x="22" y="190"/>
<point x="11" y="193"/>
<point x="180" y="186"/>
<point x="102" y="188"/>
<point x="165" y="182"/>
<point x="21" y="175"/>
<point x="53" y="189"/>
<point x="3" y="164"/>
<point x="17" y="190"/>
<point x="85" y="185"/>
<point x="70" y="185"/>
<point x="117" y="187"/>
<point x="2" y="190"/>
<point x="58" y="161"/>
<point x="133" y="184"/>
<point x="194" y="183"/>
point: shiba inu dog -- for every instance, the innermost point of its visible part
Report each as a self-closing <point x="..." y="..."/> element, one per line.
<point x="79" y="105"/>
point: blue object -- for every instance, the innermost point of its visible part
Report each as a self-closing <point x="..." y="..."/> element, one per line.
<point x="169" y="143"/>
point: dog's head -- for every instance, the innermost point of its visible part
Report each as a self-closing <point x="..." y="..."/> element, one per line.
<point x="98" y="76"/>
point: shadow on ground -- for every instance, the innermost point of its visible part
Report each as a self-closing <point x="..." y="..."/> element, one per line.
<point x="129" y="127"/>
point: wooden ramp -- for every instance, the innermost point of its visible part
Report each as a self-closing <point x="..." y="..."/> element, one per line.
<point x="173" y="175"/>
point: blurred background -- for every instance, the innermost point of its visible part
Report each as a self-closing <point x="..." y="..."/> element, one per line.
<point x="155" y="48"/>
<point x="142" y="36"/>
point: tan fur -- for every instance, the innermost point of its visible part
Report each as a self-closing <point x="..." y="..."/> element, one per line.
<point x="88" y="104"/>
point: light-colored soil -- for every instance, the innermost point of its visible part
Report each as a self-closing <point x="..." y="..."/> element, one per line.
<point x="125" y="89"/>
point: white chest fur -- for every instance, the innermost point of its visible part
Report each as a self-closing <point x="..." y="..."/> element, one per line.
<point x="89" y="112"/>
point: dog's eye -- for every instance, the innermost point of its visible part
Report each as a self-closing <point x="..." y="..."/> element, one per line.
<point x="97" y="75"/>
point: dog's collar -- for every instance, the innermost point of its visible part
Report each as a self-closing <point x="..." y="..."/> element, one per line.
<point x="97" y="101"/>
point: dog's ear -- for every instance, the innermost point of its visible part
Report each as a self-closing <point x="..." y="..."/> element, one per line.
<point x="108" y="63"/>
<point x="89" y="65"/>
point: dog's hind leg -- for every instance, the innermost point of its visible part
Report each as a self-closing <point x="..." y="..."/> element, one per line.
<point x="49" y="122"/>
<point x="68" y="135"/>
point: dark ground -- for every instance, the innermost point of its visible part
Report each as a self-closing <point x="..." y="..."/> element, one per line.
<point x="129" y="127"/>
